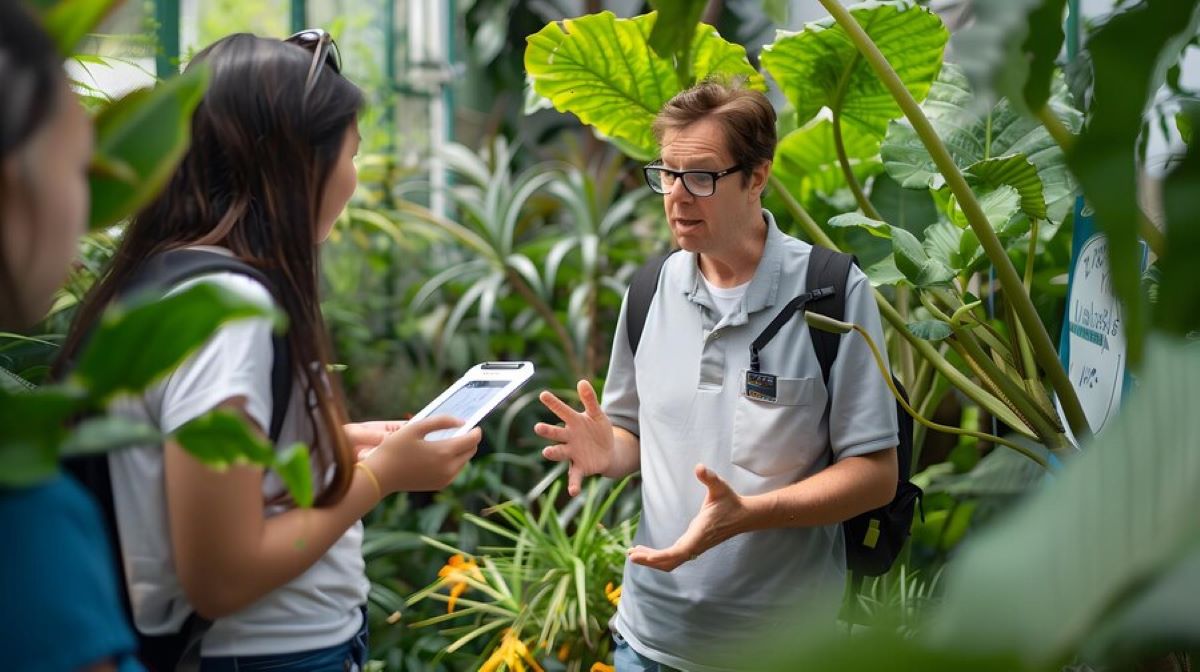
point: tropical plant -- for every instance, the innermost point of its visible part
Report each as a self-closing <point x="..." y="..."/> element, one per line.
<point x="547" y="589"/>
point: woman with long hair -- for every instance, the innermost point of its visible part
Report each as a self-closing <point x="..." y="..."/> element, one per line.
<point x="269" y="169"/>
<point x="61" y="608"/>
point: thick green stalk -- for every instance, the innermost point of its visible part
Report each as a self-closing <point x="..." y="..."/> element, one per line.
<point x="1048" y="434"/>
<point x="934" y="425"/>
<point x="1043" y="347"/>
<point x="956" y="378"/>
<point x="848" y="172"/>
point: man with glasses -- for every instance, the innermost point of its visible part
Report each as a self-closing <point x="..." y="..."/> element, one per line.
<point x="748" y="464"/>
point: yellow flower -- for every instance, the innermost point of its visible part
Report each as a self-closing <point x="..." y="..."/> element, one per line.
<point x="455" y="573"/>
<point x="613" y="594"/>
<point x="564" y="652"/>
<point x="601" y="667"/>
<point x="512" y="653"/>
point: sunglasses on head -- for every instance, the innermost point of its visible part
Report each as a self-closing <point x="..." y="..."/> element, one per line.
<point x="324" y="50"/>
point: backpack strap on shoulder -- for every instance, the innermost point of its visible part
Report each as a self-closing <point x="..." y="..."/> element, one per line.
<point x="642" y="288"/>
<point x="827" y="268"/>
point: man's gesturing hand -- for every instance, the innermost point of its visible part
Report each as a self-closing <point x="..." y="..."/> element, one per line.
<point x="585" y="439"/>
<point x="719" y="518"/>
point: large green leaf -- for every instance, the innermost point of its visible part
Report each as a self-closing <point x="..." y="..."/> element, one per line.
<point x="603" y="70"/>
<point x="1104" y="555"/>
<point x="914" y="262"/>
<point x="139" y="139"/>
<point x="295" y="470"/>
<point x="69" y="21"/>
<point x="1010" y="48"/>
<point x="1160" y="617"/>
<point x="1017" y="172"/>
<point x="134" y="346"/>
<point x="819" y="66"/>
<point x="1125" y="510"/>
<point x="911" y="209"/>
<point x="973" y="135"/>
<point x="872" y="226"/>
<point x="1130" y="55"/>
<point x="222" y="438"/>
<point x="807" y="162"/>
<point x="109" y="432"/>
<point x="672" y="36"/>
<point x="1178" y="306"/>
<point x="35" y="423"/>
<point x="930" y="330"/>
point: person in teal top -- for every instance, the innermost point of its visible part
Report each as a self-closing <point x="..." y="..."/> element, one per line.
<point x="60" y="608"/>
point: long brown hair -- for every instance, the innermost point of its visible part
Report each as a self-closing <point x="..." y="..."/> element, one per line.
<point x="252" y="181"/>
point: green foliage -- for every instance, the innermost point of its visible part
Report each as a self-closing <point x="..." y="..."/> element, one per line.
<point x="1179" y="293"/>
<point x="806" y="159"/>
<point x="1016" y="590"/>
<point x="1129" y="55"/>
<point x="133" y="345"/>
<point x="221" y="438"/>
<point x="819" y="66"/>
<point x="130" y="349"/>
<point x="671" y="37"/>
<point x="603" y="70"/>
<point x="128" y="168"/>
<point x="548" y="581"/>
<point x="69" y="21"/>
<point x="1011" y="47"/>
<point x="997" y="134"/>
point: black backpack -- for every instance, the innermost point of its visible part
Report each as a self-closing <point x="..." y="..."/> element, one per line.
<point x="874" y="538"/>
<point x="178" y="651"/>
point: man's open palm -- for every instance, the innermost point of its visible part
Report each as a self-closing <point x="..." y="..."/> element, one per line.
<point x="585" y="439"/>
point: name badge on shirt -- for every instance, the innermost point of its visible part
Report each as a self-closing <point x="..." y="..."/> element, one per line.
<point x="760" y="386"/>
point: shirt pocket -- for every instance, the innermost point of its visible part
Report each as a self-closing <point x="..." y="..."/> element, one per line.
<point x="775" y="437"/>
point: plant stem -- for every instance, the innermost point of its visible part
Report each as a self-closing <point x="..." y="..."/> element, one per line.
<point x="1043" y="347"/>
<point x="921" y="346"/>
<point x="934" y="425"/>
<point x="1048" y="434"/>
<point x="1066" y="141"/>
<point x="848" y="172"/>
<point x="1057" y="129"/>
<point x="907" y="370"/>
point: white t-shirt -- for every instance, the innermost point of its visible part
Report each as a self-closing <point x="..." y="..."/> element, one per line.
<point x="319" y="608"/>
<point x="726" y="299"/>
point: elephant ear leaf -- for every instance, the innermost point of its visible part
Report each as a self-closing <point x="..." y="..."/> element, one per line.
<point x="819" y="67"/>
<point x="974" y="135"/>
<point x="604" y="70"/>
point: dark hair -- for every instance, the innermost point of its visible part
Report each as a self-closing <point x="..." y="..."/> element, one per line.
<point x="31" y="70"/>
<point x="252" y="181"/>
<point x="746" y="116"/>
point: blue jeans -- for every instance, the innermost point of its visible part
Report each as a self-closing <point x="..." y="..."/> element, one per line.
<point x="625" y="659"/>
<point x="349" y="656"/>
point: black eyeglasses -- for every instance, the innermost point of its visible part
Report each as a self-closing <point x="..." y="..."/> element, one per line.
<point x="324" y="50"/>
<point x="700" y="183"/>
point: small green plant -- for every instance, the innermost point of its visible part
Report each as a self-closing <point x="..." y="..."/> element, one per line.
<point x="548" y="588"/>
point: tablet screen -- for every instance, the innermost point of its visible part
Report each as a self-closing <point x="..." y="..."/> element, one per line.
<point x="466" y="401"/>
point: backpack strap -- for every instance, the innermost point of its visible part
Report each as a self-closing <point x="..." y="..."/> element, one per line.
<point x="827" y="268"/>
<point x="642" y="288"/>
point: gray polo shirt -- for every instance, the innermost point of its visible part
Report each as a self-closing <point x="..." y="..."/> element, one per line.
<point x="684" y="396"/>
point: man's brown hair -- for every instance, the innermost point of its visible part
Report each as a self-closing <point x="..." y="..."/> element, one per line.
<point x="745" y="115"/>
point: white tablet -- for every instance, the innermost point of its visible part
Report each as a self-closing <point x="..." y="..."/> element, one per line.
<point x="481" y="389"/>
